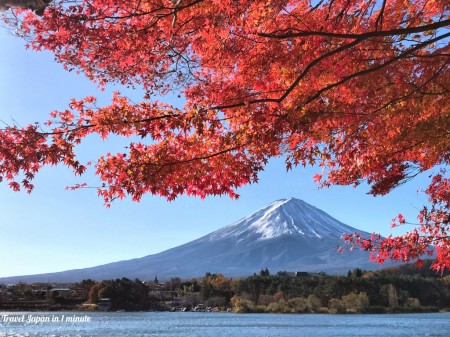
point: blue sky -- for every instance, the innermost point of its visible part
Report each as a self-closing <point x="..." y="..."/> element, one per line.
<point x="53" y="229"/>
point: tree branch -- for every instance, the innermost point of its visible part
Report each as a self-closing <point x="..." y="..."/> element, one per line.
<point x="373" y="69"/>
<point x="380" y="16"/>
<point x="363" y="36"/>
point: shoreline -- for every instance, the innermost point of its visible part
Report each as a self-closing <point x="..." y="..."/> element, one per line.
<point x="80" y="311"/>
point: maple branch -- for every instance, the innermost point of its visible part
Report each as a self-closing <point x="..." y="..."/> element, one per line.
<point x="110" y="123"/>
<point x="360" y="38"/>
<point x="363" y="36"/>
<point x="313" y="63"/>
<point x="296" y="81"/>
<point x="379" y="243"/>
<point x="373" y="69"/>
<point x="152" y="12"/>
<point x="209" y="156"/>
<point x="316" y="6"/>
<point x="212" y="155"/>
<point x="415" y="89"/>
<point x="380" y="16"/>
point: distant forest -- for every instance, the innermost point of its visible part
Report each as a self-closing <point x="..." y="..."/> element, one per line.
<point x="400" y="289"/>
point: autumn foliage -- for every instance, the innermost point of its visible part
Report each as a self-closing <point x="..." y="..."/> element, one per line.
<point x="358" y="88"/>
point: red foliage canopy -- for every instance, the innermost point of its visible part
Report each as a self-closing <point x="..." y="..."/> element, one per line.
<point x="359" y="87"/>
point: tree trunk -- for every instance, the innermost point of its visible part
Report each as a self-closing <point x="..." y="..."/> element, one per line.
<point x="36" y="5"/>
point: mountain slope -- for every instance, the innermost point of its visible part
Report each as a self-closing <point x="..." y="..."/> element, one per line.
<point x="288" y="235"/>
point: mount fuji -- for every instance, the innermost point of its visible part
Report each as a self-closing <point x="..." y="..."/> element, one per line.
<point x="287" y="235"/>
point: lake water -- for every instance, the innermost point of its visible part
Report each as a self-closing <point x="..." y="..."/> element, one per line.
<point x="146" y="324"/>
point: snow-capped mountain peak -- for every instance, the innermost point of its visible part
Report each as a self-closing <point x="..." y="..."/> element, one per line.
<point x="286" y="235"/>
<point x="286" y="217"/>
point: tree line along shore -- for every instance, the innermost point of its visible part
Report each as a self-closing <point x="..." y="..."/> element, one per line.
<point x="393" y="290"/>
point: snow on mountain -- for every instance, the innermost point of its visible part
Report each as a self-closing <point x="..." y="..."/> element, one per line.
<point x="287" y="235"/>
<point x="286" y="217"/>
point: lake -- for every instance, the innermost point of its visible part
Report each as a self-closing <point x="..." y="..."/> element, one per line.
<point x="143" y="324"/>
